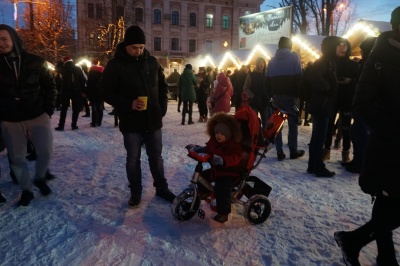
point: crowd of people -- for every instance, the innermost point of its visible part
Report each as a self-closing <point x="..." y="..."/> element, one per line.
<point x="354" y="100"/>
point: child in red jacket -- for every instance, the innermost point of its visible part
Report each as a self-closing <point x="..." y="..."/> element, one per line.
<point x="226" y="150"/>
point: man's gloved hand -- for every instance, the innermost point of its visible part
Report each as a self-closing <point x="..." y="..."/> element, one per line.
<point x="217" y="160"/>
<point x="50" y="111"/>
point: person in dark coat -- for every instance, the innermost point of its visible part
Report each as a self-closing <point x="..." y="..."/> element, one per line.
<point x="377" y="100"/>
<point x="74" y="83"/>
<point x="203" y="92"/>
<point x="94" y="93"/>
<point x="359" y="130"/>
<point x="322" y="78"/>
<point x="130" y="74"/>
<point x="255" y="87"/>
<point x="187" y="83"/>
<point x="238" y="86"/>
<point x="27" y="101"/>
<point x="346" y="74"/>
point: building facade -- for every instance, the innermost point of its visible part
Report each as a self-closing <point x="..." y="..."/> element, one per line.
<point x="177" y="32"/>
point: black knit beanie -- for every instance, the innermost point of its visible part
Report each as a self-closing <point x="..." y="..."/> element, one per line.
<point x="395" y="18"/>
<point x="134" y="35"/>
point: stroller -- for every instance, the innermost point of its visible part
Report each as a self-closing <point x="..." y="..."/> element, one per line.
<point x="249" y="191"/>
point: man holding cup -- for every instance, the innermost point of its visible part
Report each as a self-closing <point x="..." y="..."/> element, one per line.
<point x="134" y="83"/>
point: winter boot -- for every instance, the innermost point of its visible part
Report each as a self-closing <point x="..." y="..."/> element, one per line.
<point x="183" y="117"/>
<point x="345" y="156"/>
<point x="60" y="127"/>
<point x="386" y="252"/>
<point x="326" y="155"/>
<point x="201" y="119"/>
<point x="352" y="242"/>
<point x="26" y="198"/>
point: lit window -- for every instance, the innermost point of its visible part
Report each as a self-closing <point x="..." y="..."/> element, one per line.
<point x="209" y="20"/>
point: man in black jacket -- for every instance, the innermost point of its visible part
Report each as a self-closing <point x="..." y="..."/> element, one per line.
<point x="133" y="73"/>
<point x="27" y="101"/>
<point x="377" y="100"/>
<point x="73" y="86"/>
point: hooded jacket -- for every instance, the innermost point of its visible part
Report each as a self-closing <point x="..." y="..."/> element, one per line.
<point x="377" y="101"/>
<point x="125" y="78"/>
<point x="186" y="84"/>
<point x="284" y="73"/>
<point x="27" y="87"/>
<point x="322" y="79"/>
<point x="231" y="150"/>
<point x="222" y="94"/>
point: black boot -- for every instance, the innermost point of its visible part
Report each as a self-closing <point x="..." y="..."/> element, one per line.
<point x="352" y="242"/>
<point x="386" y="251"/>
<point x="183" y="117"/>
<point x="2" y="200"/>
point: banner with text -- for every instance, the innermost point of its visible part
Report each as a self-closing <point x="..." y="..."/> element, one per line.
<point x="265" y="27"/>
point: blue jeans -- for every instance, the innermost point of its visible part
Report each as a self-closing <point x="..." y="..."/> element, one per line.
<point x="290" y="105"/>
<point x="153" y="143"/>
<point x="318" y="137"/>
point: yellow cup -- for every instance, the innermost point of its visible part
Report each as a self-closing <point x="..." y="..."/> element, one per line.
<point x="144" y="100"/>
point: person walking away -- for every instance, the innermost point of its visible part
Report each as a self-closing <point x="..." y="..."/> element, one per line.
<point x="222" y="94"/>
<point x="322" y="78"/>
<point x="255" y="88"/>
<point x="130" y="74"/>
<point x="284" y="74"/>
<point x="203" y="92"/>
<point x="376" y="100"/>
<point x="186" y="85"/>
<point x="27" y="101"/>
<point x="72" y="89"/>
<point x="94" y="92"/>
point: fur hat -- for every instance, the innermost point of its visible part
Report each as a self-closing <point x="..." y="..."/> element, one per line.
<point x="395" y="18"/>
<point x="67" y="59"/>
<point x="224" y="119"/>
<point x="134" y="35"/>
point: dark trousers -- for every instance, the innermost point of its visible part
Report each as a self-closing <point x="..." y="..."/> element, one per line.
<point x="153" y="144"/>
<point x="385" y="218"/>
<point x="97" y="112"/>
<point x="187" y="109"/>
<point x="359" y="137"/>
<point x="223" y="188"/>
<point x="76" y="108"/>
<point x="85" y="104"/>
<point x="202" y="104"/>
<point x="318" y="137"/>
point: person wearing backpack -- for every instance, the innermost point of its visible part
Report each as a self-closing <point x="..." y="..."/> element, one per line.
<point x="73" y="86"/>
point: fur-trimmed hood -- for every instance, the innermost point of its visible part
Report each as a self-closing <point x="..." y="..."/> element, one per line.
<point x="227" y="119"/>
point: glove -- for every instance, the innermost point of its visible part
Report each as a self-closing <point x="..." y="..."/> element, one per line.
<point x="50" y="111"/>
<point x="190" y="147"/>
<point x="217" y="160"/>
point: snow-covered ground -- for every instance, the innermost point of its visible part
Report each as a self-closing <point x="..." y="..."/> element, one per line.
<point x="86" y="220"/>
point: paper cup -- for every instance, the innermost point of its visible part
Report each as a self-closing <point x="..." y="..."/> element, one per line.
<point x="144" y="100"/>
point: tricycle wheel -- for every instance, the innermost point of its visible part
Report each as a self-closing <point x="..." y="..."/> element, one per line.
<point x="257" y="209"/>
<point x="182" y="203"/>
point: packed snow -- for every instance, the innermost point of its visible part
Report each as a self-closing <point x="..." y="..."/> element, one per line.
<point x="86" y="220"/>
